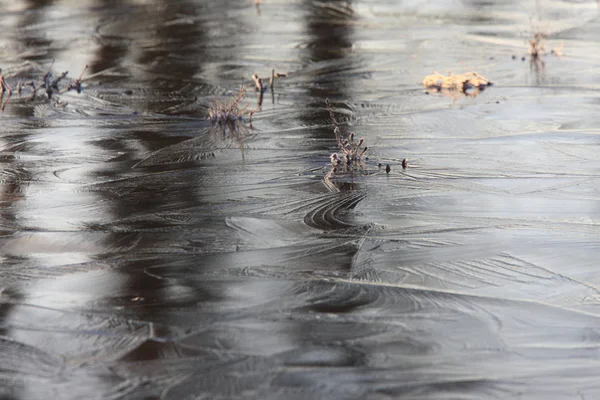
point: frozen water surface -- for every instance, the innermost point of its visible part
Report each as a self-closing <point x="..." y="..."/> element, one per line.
<point x="147" y="255"/>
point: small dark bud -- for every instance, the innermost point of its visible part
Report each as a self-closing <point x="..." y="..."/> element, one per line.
<point x="387" y="169"/>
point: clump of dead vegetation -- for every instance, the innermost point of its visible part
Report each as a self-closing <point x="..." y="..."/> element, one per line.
<point x="349" y="160"/>
<point x="537" y="48"/>
<point x="467" y="83"/>
<point x="537" y="45"/>
<point x="47" y="86"/>
<point x="229" y="116"/>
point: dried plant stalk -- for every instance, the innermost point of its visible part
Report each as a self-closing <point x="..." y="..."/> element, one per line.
<point x="349" y="159"/>
<point x="272" y="80"/>
<point x="51" y="86"/>
<point x="536" y="45"/>
<point x="258" y="82"/>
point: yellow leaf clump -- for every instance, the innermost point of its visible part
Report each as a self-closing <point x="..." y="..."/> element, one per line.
<point x="459" y="82"/>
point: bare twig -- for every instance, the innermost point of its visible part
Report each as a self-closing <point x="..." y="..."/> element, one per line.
<point x="4" y="86"/>
<point x="55" y="82"/>
<point x="258" y="82"/>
